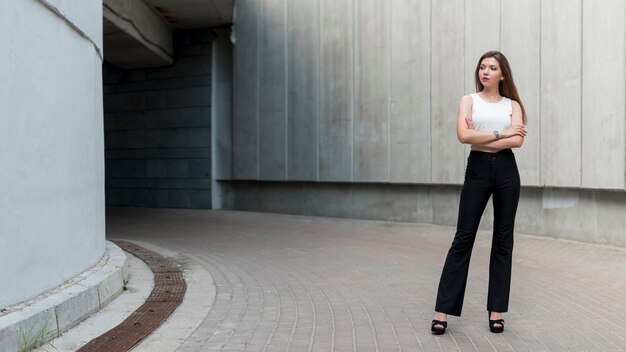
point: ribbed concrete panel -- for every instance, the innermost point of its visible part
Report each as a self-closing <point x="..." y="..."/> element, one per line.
<point x="522" y="48"/>
<point x="245" y="95"/>
<point x="561" y="93"/>
<point x="603" y="89"/>
<point x="343" y="84"/>
<point x="371" y="119"/>
<point x="336" y="68"/>
<point x="446" y="90"/>
<point x="272" y="90"/>
<point x="303" y="85"/>
<point x="410" y="91"/>
<point x="482" y="34"/>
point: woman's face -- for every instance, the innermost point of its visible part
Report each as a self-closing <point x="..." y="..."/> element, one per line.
<point x="489" y="72"/>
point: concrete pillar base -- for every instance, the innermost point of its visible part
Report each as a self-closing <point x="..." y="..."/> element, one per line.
<point x="30" y="324"/>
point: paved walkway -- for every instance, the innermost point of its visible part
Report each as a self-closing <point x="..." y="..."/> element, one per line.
<point x="295" y="283"/>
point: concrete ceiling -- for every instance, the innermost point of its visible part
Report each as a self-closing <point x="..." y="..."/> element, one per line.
<point x="139" y="33"/>
<point x="189" y="14"/>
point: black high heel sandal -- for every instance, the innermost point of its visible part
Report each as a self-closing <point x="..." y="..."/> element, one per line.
<point x="492" y="325"/>
<point x="438" y="331"/>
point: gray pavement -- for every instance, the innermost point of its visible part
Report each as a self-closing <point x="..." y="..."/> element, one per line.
<point x="297" y="283"/>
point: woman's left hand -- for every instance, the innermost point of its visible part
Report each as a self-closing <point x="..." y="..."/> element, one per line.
<point x="514" y="130"/>
<point x="469" y="123"/>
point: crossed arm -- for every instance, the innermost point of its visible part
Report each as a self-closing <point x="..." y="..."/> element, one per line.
<point x="512" y="137"/>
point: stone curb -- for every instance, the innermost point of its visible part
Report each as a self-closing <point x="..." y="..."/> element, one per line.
<point x="167" y="294"/>
<point x="49" y="317"/>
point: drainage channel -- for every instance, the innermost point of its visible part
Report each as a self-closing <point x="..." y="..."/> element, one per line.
<point x="167" y="294"/>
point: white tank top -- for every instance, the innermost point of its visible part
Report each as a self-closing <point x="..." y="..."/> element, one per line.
<point x="488" y="117"/>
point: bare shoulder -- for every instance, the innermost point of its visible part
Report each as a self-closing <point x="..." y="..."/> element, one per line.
<point x="466" y="100"/>
<point x="465" y="107"/>
<point x="516" y="113"/>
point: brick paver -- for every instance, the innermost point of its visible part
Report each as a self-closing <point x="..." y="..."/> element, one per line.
<point x="296" y="283"/>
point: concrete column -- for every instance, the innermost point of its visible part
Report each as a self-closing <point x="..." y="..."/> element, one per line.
<point x="51" y="145"/>
<point x="221" y="114"/>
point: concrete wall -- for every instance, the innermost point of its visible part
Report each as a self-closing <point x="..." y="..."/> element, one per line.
<point x="357" y="97"/>
<point x="367" y="91"/>
<point x="581" y="215"/>
<point x="51" y="144"/>
<point x="158" y="129"/>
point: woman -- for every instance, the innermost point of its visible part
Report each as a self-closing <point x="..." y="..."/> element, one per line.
<point x="492" y="121"/>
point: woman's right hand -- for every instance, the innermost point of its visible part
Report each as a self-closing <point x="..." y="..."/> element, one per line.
<point x="514" y="130"/>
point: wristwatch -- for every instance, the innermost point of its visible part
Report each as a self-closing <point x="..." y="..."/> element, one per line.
<point x="497" y="134"/>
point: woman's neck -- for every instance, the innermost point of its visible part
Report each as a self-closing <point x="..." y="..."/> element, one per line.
<point x="490" y="94"/>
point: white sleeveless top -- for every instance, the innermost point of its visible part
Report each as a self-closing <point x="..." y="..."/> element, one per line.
<point x="488" y="117"/>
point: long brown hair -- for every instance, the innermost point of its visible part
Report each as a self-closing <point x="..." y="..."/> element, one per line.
<point x="506" y="86"/>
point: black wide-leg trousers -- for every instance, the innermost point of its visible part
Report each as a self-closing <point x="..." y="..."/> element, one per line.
<point x="487" y="174"/>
